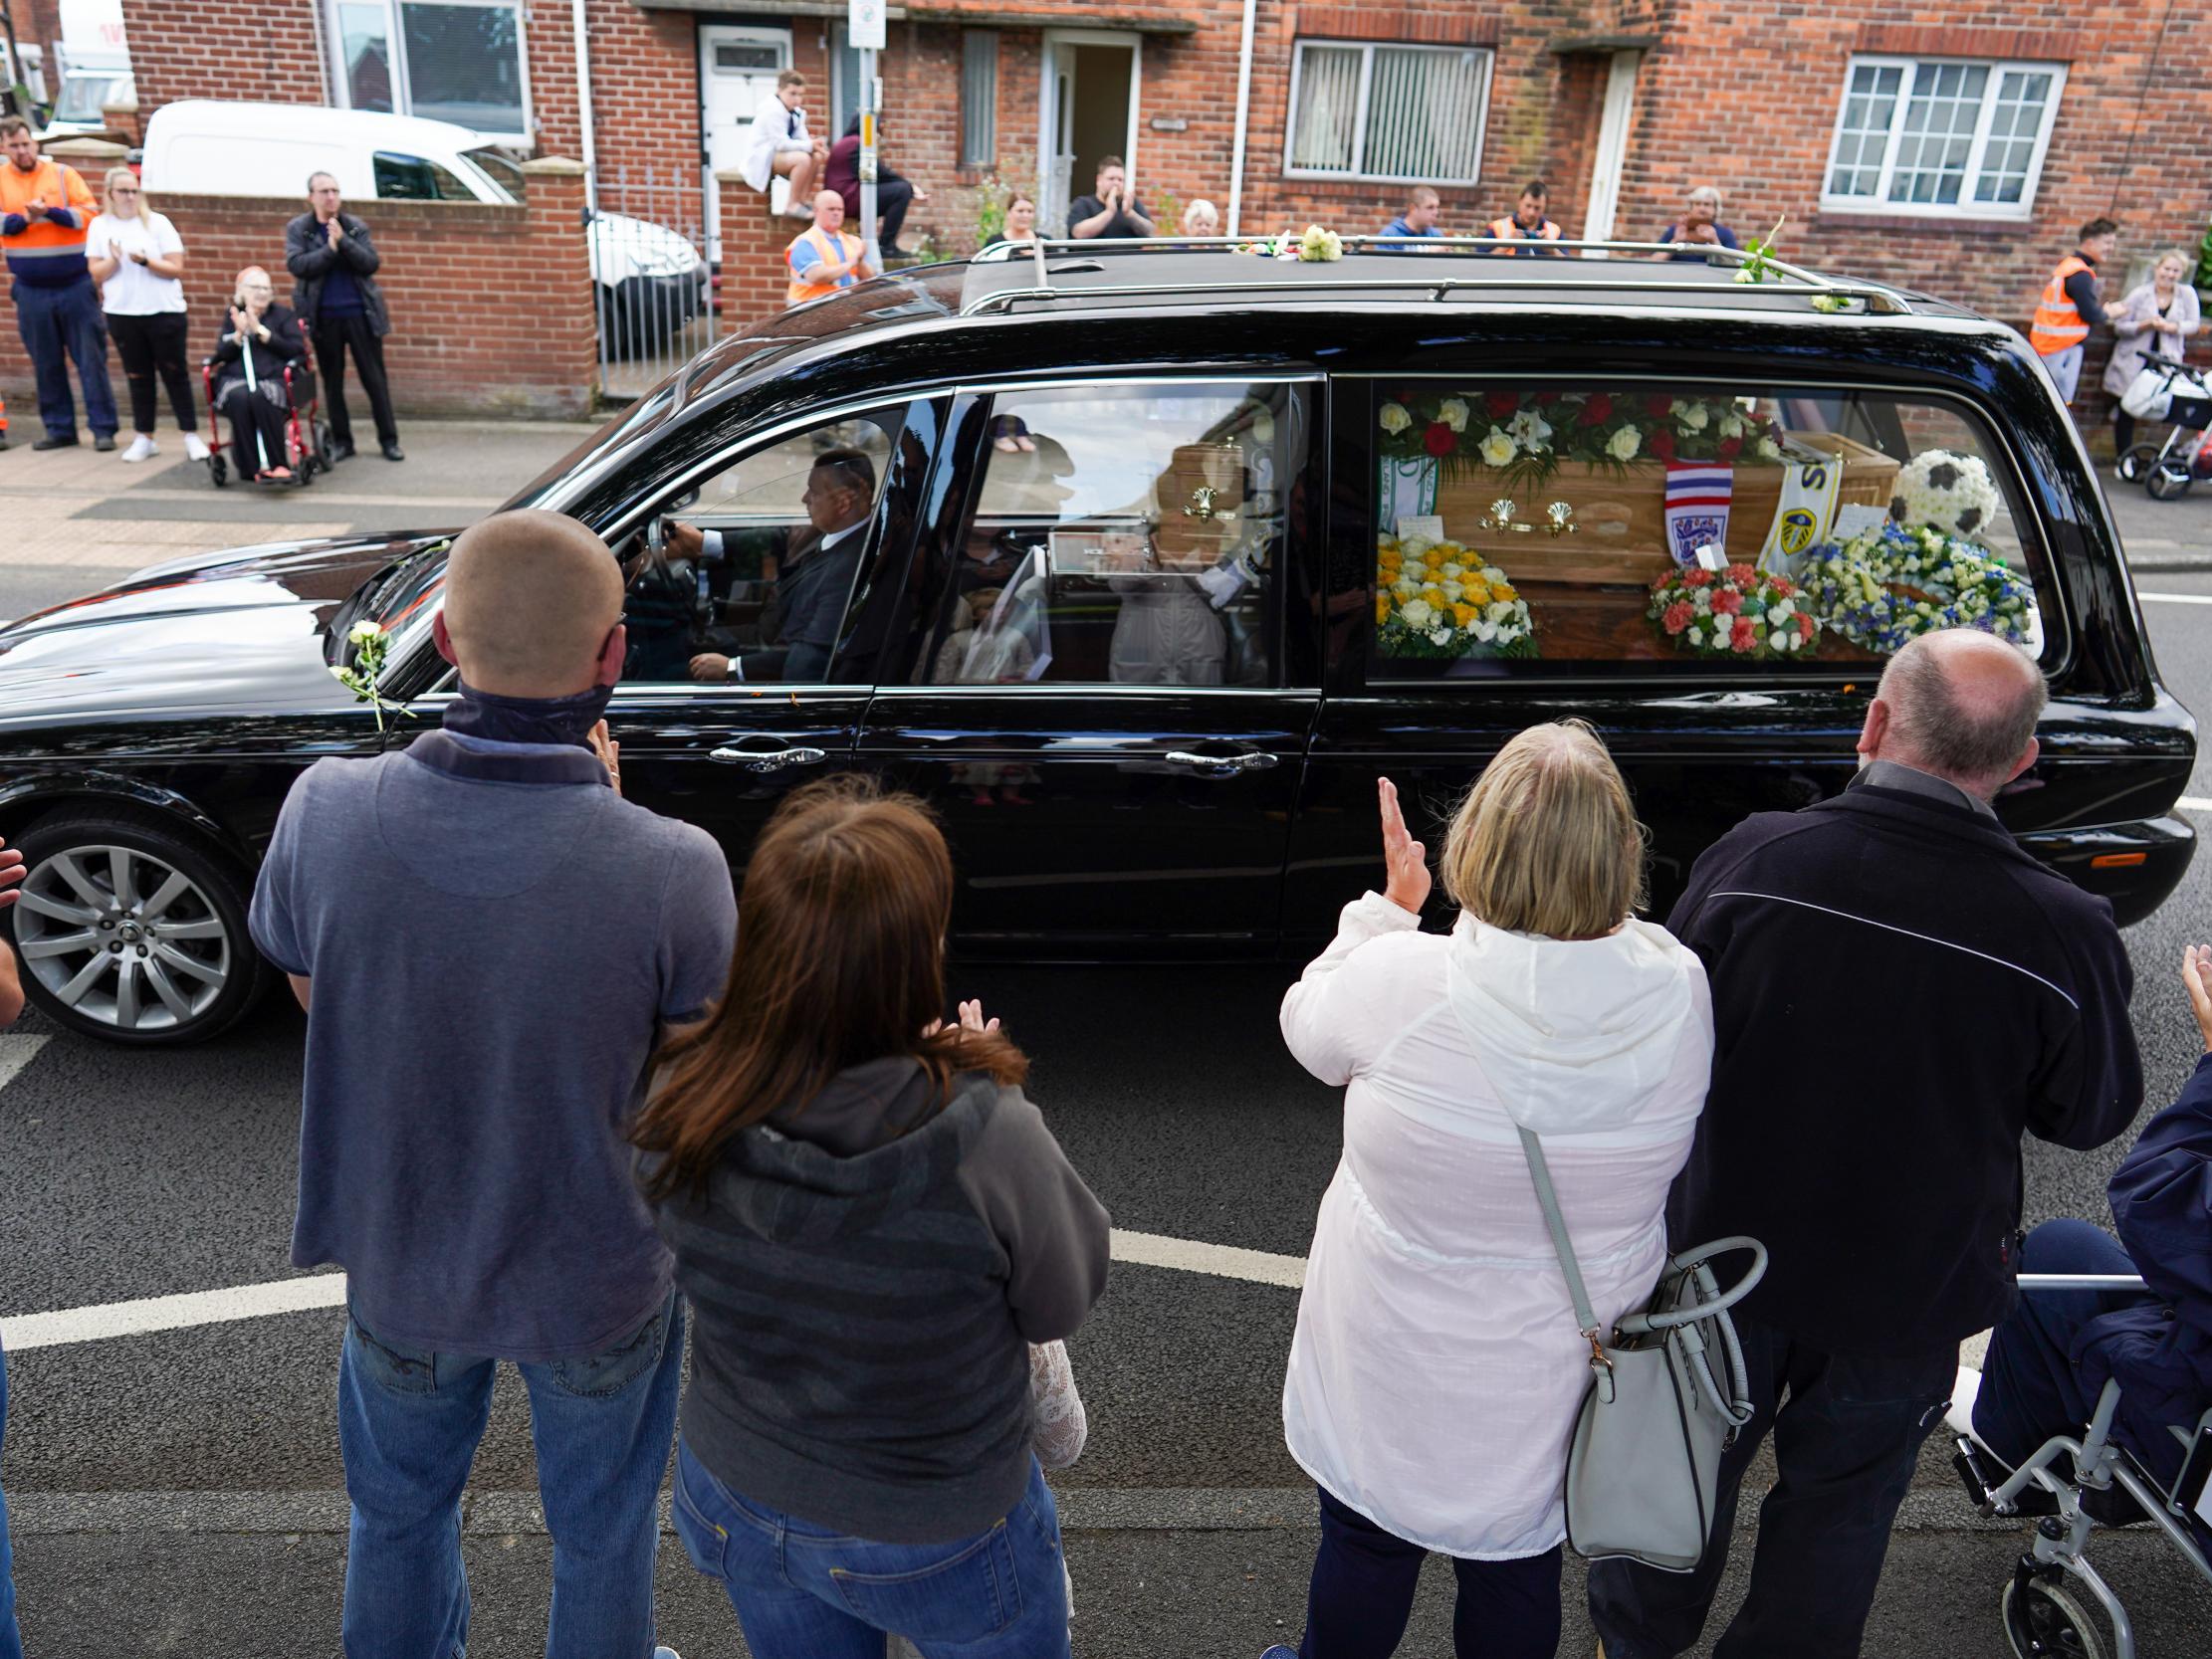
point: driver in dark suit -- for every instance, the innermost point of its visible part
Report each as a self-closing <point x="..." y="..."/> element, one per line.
<point x="813" y="580"/>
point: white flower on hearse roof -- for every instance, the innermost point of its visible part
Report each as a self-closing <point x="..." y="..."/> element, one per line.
<point x="1453" y="413"/>
<point x="1395" y="418"/>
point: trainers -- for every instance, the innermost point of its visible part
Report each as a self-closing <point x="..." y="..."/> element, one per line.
<point x="666" y="1653"/>
<point x="141" y="448"/>
<point x="195" y="447"/>
<point x="1278" y="1651"/>
<point x="1958" y="1416"/>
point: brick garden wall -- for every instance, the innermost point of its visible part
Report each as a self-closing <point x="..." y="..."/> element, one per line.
<point x="524" y="348"/>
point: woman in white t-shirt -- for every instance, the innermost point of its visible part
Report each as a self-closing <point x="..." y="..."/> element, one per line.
<point x="137" y="259"/>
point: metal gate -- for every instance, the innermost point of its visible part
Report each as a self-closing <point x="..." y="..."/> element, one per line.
<point x="649" y="272"/>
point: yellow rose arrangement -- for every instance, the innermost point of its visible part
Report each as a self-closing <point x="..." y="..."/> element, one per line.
<point x="1437" y="600"/>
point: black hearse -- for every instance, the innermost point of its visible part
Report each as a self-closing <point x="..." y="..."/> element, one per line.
<point x="1151" y="559"/>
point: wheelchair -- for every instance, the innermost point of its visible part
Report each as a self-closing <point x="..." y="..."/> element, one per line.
<point x="307" y="435"/>
<point x="2072" y="1484"/>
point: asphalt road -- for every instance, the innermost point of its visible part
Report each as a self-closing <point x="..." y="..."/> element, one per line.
<point x="178" y="1492"/>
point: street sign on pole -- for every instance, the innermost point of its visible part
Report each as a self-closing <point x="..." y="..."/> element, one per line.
<point x="864" y="29"/>
<point x="864" y="25"/>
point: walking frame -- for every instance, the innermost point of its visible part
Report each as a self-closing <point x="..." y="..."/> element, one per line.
<point x="2040" y="1618"/>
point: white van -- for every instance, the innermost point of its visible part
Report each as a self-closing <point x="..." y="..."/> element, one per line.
<point x="651" y="280"/>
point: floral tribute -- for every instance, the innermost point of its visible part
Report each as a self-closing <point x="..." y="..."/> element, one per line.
<point x="1435" y="600"/>
<point x="1317" y="246"/>
<point x="1528" y="434"/>
<point x="371" y="644"/>
<point x="1946" y="492"/>
<point x="1736" y="611"/>
<point x="1890" y="585"/>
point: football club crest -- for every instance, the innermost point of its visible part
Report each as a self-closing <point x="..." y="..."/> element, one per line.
<point x="1697" y="498"/>
<point x="1802" y="516"/>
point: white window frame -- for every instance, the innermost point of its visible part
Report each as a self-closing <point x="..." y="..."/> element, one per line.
<point x="1366" y="49"/>
<point x="403" y="99"/>
<point x="1878" y="204"/>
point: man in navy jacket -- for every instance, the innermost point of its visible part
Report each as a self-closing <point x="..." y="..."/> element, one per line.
<point x="1900" y="992"/>
<point x="2051" y="1356"/>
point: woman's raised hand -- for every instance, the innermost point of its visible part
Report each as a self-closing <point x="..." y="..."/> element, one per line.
<point x="2196" y="975"/>
<point x="1405" y="859"/>
<point x="971" y="1019"/>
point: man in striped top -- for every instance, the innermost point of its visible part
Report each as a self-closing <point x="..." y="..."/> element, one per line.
<point x="45" y="211"/>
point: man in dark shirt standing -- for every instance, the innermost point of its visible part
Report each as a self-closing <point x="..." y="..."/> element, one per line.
<point x="1984" y="996"/>
<point x="334" y="263"/>
<point x="1110" y="211"/>
<point x="2068" y="307"/>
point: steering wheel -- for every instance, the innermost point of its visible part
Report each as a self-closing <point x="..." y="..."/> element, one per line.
<point x="656" y="539"/>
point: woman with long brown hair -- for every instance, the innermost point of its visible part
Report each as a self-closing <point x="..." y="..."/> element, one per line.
<point x="872" y="1225"/>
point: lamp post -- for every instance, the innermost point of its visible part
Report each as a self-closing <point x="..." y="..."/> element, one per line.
<point x="15" y="93"/>
<point x="864" y="26"/>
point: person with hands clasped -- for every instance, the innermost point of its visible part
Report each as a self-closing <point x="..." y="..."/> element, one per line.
<point x="46" y="215"/>
<point x="261" y="331"/>
<point x="873" y="1226"/>
<point x="1110" y="211"/>
<point x="2051" y="1357"/>
<point x="1437" y="1364"/>
<point x="334" y="265"/>
<point x="826" y="256"/>
<point x="137" y="259"/>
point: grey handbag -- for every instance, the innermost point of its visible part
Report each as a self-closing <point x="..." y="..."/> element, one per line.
<point x="1643" y="1465"/>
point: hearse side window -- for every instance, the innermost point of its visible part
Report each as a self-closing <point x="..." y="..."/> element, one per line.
<point x="757" y="564"/>
<point x="1600" y="528"/>
<point x="1123" y="535"/>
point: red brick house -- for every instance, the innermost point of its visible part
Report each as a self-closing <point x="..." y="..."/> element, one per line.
<point x="1955" y="156"/>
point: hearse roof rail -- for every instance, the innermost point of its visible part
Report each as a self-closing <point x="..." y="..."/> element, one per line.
<point x="1473" y="267"/>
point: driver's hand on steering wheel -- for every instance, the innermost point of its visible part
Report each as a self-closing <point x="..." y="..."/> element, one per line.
<point x="709" y="666"/>
<point x="682" y="541"/>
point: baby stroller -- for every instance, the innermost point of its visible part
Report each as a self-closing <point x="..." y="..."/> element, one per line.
<point x="2071" y="1482"/>
<point x="307" y="436"/>
<point x="2168" y="391"/>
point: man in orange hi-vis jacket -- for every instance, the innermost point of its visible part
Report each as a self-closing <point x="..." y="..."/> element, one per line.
<point x="823" y="258"/>
<point x="45" y="211"/>
<point x="2068" y="307"/>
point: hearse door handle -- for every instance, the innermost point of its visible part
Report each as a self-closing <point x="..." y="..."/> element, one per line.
<point x="1220" y="765"/>
<point x="768" y="761"/>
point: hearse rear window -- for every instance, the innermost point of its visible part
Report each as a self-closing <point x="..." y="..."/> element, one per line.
<point x="1589" y="526"/>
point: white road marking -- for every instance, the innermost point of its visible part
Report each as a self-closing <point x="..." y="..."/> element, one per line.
<point x="101" y="1320"/>
<point x="2195" y="803"/>
<point x="171" y="1313"/>
<point x="17" y="1052"/>
<point x="2175" y="598"/>
<point x="1220" y="1261"/>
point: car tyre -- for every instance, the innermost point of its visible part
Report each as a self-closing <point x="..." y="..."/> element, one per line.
<point x="166" y="960"/>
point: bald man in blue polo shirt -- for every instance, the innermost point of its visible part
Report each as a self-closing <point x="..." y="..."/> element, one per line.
<point x="489" y="941"/>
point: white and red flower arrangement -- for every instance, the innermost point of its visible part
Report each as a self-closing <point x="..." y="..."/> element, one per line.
<point x="1735" y="611"/>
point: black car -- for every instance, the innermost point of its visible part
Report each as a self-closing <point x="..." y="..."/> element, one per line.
<point x="1142" y="563"/>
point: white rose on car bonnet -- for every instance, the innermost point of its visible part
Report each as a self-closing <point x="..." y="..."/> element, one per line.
<point x="1947" y="492"/>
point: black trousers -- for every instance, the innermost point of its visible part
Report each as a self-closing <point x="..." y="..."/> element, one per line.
<point x="1845" y="1442"/>
<point x="1363" y="1594"/>
<point x="892" y="197"/>
<point x="2124" y="430"/>
<point x="155" y="345"/>
<point x="258" y="416"/>
<point x="333" y="337"/>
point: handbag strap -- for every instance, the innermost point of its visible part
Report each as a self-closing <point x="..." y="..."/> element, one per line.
<point x="1539" y="1172"/>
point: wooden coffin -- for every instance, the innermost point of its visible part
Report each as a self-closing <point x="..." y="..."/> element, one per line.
<point x="1619" y="515"/>
<point x="1200" y="497"/>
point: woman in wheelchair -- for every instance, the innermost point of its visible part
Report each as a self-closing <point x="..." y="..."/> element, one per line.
<point x="264" y="333"/>
<point x="2051" y="1356"/>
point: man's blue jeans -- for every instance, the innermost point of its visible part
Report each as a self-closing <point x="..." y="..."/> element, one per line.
<point x="1845" y="1440"/>
<point x="11" y="1641"/>
<point x="409" y="1422"/>
<point x="58" y="324"/>
<point x="803" y="1591"/>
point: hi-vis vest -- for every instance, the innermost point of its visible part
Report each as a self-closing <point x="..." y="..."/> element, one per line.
<point x="1507" y="228"/>
<point x="801" y="289"/>
<point x="2057" y="323"/>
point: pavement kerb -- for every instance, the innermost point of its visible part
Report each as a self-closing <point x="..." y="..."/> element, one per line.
<point x="510" y="1514"/>
<point x="2152" y="563"/>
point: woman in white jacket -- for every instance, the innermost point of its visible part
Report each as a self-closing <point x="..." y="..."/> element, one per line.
<point x="1437" y="1367"/>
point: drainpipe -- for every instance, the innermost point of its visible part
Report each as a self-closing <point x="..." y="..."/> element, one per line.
<point x="1244" y="115"/>
<point x="583" y="109"/>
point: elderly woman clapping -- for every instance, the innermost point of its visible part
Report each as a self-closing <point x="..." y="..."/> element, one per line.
<point x="1437" y="1366"/>
<point x="260" y="339"/>
<point x="2155" y="322"/>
